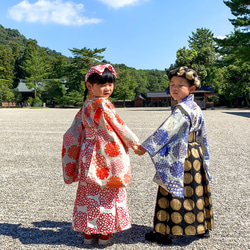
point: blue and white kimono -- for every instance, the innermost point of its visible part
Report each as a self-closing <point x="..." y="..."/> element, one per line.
<point x="168" y="145"/>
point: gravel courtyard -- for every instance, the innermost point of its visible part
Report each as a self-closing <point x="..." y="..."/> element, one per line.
<point x="36" y="206"/>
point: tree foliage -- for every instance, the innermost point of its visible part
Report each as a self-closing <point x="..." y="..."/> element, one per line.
<point x="79" y="65"/>
<point x="125" y="86"/>
<point x="57" y="79"/>
<point x="237" y="44"/>
<point x="35" y="65"/>
<point x="200" y="55"/>
<point x="234" y="53"/>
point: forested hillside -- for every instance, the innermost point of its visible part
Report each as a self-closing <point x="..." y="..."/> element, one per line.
<point x="223" y="64"/>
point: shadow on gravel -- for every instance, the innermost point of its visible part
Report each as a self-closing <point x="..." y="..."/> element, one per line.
<point x="60" y="233"/>
<point x="149" y="110"/>
<point x="244" y="114"/>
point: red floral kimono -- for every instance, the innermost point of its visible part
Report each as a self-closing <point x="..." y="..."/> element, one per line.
<point x="95" y="153"/>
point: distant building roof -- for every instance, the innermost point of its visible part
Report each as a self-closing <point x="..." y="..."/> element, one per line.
<point x="205" y="89"/>
<point x="158" y="94"/>
<point x="140" y="97"/>
<point x="22" y="87"/>
<point x="200" y="90"/>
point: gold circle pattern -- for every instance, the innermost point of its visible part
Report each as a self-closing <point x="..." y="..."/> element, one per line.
<point x="160" y="228"/>
<point x="195" y="152"/>
<point x="199" y="191"/>
<point x="176" y="217"/>
<point x="188" y="191"/>
<point x="198" y="178"/>
<point x="187" y="165"/>
<point x="162" y="215"/>
<point x="163" y="191"/>
<point x="175" y="204"/>
<point x="188" y="178"/>
<point x="190" y="230"/>
<point x="189" y="218"/>
<point x="197" y="165"/>
<point x="177" y="230"/>
<point x="188" y="204"/>
<point x="200" y="217"/>
<point x="186" y="216"/>
<point x="163" y="202"/>
<point x="200" y="204"/>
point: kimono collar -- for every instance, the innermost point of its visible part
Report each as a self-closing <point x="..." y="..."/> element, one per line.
<point x="189" y="98"/>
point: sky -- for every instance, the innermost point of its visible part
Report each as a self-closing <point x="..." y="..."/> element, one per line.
<point x="143" y="34"/>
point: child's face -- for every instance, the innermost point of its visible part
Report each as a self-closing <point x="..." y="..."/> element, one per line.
<point x="180" y="88"/>
<point x="101" y="90"/>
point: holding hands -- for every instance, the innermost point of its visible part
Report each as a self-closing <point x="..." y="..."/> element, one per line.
<point x="138" y="149"/>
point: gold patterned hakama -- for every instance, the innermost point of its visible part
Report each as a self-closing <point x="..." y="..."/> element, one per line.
<point x="192" y="214"/>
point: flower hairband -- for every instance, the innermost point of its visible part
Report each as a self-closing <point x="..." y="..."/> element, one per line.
<point x="99" y="69"/>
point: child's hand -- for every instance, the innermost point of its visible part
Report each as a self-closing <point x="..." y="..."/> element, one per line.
<point x="138" y="149"/>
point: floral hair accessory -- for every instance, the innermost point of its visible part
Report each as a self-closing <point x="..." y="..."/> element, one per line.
<point x="187" y="73"/>
<point x="99" y="70"/>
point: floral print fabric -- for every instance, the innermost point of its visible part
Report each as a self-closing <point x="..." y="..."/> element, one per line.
<point x="72" y="141"/>
<point x="104" y="152"/>
<point x="95" y="152"/>
<point x="100" y="210"/>
<point x="168" y="145"/>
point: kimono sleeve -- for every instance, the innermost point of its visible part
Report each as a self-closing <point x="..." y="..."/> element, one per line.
<point x="168" y="148"/>
<point x="119" y="127"/>
<point x="72" y="141"/>
<point x="175" y="128"/>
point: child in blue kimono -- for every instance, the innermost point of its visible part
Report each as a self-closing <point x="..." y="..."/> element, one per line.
<point x="180" y="152"/>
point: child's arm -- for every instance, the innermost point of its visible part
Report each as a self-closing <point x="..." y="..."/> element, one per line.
<point x="138" y="149"/>
<point x="172" y="132"/>
<point x="115" y="123"/>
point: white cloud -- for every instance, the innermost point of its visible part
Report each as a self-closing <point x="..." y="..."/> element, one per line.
<point x="47" y="11"/>
<point x="119" y="3"/>
<point x="221" y="37"/>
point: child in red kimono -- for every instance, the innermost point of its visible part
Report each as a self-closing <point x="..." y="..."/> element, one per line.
<point x="95" y="153"/>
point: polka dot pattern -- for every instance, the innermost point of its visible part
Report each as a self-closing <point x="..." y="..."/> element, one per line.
<point x="192" y="214"/>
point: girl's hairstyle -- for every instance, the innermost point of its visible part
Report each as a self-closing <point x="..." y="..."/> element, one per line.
<point x="107" y="74"/>
<point x="187" y="73"/>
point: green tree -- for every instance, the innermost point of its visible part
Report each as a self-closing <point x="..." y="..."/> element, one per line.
<point x="7" y="65"/>
<point x="80" y="64"/>
<point x="125" y="86"/>
<point x="6" y="94"/>
<point x="201" y="55"/>
<point x="34" y="65"/>
<point x="76" y="70"/>
<point x="73" y="97"/>
<point x="142" y="82"/>
<point x="185" y="57"/>
<point x="234" y="53"/>
<point x="237" y="44"/>
<point x="237" y="77"/>
<point x="6" y="75"/>
<point x="54" y="92"/>
<point x="60" y="63"/>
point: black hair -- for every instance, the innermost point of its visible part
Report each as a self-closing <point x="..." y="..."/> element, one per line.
<point x="106" y="76"/>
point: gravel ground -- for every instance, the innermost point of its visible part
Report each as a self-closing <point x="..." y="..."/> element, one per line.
<point x="36" y="206"/>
